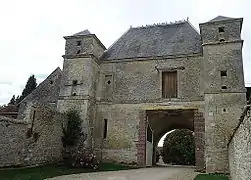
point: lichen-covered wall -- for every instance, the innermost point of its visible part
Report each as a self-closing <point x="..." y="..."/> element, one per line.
<point x="41" y="147"/>
<point x="139" y="81"/>
<point x="121" y="143"/>
<point x="239" y="151"/>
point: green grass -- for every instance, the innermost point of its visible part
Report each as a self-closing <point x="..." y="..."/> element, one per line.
<point x="43" y="172"/>
<point x="211" y="177"/>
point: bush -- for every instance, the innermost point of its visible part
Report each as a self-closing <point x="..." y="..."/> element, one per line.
<point x="73" y="140"/>
<point x="72" y="131"/>
<point x="179" y="148"/>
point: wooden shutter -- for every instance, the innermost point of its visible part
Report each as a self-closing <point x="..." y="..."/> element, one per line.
<point x="169" y="84"/>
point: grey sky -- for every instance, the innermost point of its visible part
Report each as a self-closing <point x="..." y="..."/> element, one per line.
<point x="31" y="33"/>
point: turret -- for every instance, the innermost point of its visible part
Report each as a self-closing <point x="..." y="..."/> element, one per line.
<point x="224" y="88"/>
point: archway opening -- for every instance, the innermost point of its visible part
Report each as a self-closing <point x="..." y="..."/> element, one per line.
<point x="163" y="121"/>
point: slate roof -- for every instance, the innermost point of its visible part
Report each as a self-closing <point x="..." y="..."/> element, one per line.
<point x="156" y="40"/>
<point x="220" y="18"/>
<point x="85" y="32"/>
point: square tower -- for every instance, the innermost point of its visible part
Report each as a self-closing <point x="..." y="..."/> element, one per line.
<point x="224" y="87"/>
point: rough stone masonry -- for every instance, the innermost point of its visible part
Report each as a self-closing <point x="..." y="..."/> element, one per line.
<point x="153" y="79"/>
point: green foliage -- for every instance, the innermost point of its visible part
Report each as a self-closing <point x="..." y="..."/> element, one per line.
<point x="72" y="131"/>
<point x="29" y="87"/>
<point x="49" y="171"/>
<point x="179" y="148"/>
<point x="12" y="100"/>
<point x="211" y="177"/>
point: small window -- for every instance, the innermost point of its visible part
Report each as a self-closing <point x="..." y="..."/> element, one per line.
<point x="221" y="29"/>
<point x="222" y="40"/>
<point x="105" y="129"/>
<point x="75" y="82"/>
<point x="51" y="82"/>
<point x="78" y="43"/>
<point x="223" y="73"/>
<point x="109" y="82"/>
<point x="74" y="94"/>
<point x="223" y="87"/>
<point x="169" y="84"/>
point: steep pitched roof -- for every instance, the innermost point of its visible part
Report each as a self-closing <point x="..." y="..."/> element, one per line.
<point x="85" y="32"/>
<point x="156" y="40"/>
<point x="220" y="18"/>
<point x="45" y="91"/>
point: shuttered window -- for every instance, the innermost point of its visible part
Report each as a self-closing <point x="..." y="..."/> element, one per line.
<point x="169" y="84"/>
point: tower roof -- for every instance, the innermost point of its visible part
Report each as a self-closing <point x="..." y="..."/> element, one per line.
<point x="220" y="18"/>
<point x="82" y="33"/>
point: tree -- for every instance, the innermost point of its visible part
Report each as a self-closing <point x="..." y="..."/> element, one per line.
<point x="12" y="100"/>
<point x="29" y="87"/>
<point x="179" y="148"/>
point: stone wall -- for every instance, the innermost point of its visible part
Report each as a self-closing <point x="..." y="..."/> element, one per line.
<point x="239" y="152"/>
<point x="41" y="146"/>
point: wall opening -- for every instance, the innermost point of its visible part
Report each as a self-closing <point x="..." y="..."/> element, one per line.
<point x="169" y="84"/>
<point x="223" y="73"/>
<point x="105" y="128"/>
<point x="221" y="29"/>
<point x="79" y="43"/>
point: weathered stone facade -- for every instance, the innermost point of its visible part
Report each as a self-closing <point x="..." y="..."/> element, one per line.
<point x="118" y="91"/>
<point x="239" y="152"/>
<point x="119" y="85"/>
<point x="41" y="146"/>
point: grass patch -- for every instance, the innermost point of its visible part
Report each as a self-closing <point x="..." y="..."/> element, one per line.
<point x="43" y="172"/>
<point x="211" y="177"/>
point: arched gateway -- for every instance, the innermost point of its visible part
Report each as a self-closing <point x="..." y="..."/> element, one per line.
<point x="155" y="123"/>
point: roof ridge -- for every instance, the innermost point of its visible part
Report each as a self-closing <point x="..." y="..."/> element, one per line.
<point x="161" y="24"/>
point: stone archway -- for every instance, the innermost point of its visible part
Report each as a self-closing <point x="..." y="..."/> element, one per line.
<point x="162" y="121"/>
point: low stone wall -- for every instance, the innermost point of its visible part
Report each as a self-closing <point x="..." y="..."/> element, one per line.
<point x="41" y="145"/>
<point x="240" y="148"/>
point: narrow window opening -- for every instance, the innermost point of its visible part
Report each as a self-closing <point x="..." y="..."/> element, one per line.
<point x="223" y="87"/>
<point x="223" y="73"/>
<point x="224" y="110"/>
<point x="75" y="82"/>
<point x="78" y="43"/>
<point x="78" y="52"/>
<point x="105" y="129"/>
<point x="222" y="40"/>
<point x="221" y="29"/>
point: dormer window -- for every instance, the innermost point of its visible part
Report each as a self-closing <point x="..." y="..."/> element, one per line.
<point x="221" y="29"/>
<point x="78" y="43"/>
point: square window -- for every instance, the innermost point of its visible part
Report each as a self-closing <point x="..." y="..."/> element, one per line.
<point x="75" y="82"/>
<point x="221" y="29"/>
<point x="223" y="73"/>
<point x="78" y="43"/>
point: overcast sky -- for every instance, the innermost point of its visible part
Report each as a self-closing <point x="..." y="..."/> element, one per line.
<point x="31" y="33"/>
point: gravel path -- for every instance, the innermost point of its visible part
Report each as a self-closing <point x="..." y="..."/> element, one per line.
<point x="157" y="173"/>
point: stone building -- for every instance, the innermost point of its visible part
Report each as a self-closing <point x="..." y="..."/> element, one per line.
<point x="154" y="79"/>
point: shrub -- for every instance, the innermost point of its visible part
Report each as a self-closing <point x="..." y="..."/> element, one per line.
<point x="72" y="131"/>
<point x="179" y="148"/>
<point x="73" y="140"/>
